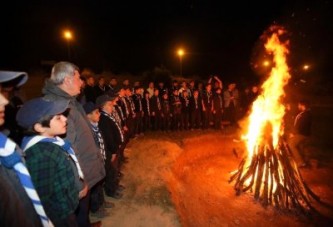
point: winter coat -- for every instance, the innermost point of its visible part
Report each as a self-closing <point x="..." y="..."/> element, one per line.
<point x="80" y="134"/>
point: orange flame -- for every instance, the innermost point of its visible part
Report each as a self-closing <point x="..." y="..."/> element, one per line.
<point x="267" y="109"/>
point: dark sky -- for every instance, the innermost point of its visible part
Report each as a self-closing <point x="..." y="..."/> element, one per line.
<point x="134" y="36"/>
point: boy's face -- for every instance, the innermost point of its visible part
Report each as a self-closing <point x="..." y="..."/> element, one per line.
<point x="3" y="103"/>
<point x="94" y="116"/>
<point x="58" y="126"/>
<point x="108" y="107"/>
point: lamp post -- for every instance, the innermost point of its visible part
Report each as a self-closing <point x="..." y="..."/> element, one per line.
<point x="180" y="53"/>
<point x="68" y="36"/>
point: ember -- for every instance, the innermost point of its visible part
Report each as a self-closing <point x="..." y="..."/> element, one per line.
<point x="268" y="170"/>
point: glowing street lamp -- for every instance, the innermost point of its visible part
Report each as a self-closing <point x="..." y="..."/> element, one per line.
<point x="266" y="63"/>
<point x="68" y="36"/>
<point x="180" y="54"/>
<point x="306" y="67"/>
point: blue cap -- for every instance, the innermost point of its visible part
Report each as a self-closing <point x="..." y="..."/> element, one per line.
<point x="101" y="100"/>
<point x="35" y="109"/>
<point x="17" y="78"/>
<point x="89" y="107"/>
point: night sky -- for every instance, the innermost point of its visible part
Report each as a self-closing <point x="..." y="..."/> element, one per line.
<point x="135" y="36"/>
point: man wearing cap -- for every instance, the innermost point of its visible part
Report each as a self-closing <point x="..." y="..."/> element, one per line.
<point x="51" y="161"/>
<point x="16" y="207"/>
<point x="65" y="84"/>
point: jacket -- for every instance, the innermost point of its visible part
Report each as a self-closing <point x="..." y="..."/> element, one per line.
<point x="80" y="134"/>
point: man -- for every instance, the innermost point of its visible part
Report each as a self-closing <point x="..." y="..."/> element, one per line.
<point x="16" y="208"/>
<point x="65" y="83"/>
<point x="301" y="133"/>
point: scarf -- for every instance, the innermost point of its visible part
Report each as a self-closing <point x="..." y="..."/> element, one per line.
<point x="99" y="139"/>
<point x="11" y="159"/>
<point x="64" y="144"/>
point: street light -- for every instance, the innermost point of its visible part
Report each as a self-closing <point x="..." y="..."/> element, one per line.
<point x="306" y="67"/>
<point x="266" y="63"/>
<point x="180" y="53"/>
<point x="68" y="36"/>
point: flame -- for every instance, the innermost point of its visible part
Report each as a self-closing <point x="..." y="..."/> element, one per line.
<point x="267" y="110"/>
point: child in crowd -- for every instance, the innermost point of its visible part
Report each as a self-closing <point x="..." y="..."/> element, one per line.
<point x="97" y="201"/>
<point x="113" y="138"/>
<point x="51" y="161"/>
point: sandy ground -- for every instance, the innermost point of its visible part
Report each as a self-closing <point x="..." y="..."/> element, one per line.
<point x="181" y="179"/>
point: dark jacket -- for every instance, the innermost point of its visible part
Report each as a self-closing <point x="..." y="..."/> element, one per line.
<point x="110" y="135"/>
<point x="16" y="208"/>
<point x="155" y="107"/>
<point x="80" y="134"/>
<point x="218" y="103"/>
<point x="195" y="105"/>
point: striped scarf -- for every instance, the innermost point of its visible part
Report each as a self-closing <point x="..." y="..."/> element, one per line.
<point x="64" y="144"/>
<point x="11" y="159"/>
<point x="99" y="139"/>
<point x="115" y="121"/>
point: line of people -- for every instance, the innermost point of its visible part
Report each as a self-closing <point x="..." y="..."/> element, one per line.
<point x="178" y="107"/>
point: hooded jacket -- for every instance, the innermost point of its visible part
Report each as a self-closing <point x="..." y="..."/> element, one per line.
<point x="80" y="134"/>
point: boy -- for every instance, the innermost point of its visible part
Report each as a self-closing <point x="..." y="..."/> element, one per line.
<point x="97" y="201"/>
<point x="113" y="138"/>
<point x="51" y="161"/>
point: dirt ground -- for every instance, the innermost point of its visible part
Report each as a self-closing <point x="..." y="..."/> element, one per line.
<point x="181" y="179"/>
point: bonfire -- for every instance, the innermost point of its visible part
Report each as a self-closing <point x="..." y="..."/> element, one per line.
<point x="269" y="170"/>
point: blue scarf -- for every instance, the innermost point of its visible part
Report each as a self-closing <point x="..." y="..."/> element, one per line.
<point x="10" y="159"/>
<point x="64" y="144"/>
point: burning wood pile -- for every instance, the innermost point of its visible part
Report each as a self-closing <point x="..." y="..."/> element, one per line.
<point x="269" y="170"/>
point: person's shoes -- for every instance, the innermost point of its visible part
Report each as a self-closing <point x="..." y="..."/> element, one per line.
<point x="120" y="174"/>
<point x="101" y="213"/>
<point x="108" y="204"/>
<point x="96" y="224"/>
<point x="117" y="195"/>
<point x="121" y="188"/>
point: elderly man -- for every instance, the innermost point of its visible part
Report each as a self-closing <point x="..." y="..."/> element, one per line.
<point x="65" y="83"/>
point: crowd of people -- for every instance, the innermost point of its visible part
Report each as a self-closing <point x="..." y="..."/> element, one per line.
<point x="181" y="106"/>
<point x="72" y="139"/>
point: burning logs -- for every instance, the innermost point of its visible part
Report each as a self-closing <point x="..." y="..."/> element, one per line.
<point x="273" y="177"/>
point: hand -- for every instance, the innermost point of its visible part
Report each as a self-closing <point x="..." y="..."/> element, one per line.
<point x="113" y="158"/>
<point x="153" y="114"/>
<point x="84" y="191"/>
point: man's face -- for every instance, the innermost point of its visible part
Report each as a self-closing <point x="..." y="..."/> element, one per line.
<point x="113" y="82"/>
<point x="3" y="103"/>
<point x="101" y="82"/>
<point x="75" y="84"/>
<point x="209" y="87"/>
<point x="91" y="81"/>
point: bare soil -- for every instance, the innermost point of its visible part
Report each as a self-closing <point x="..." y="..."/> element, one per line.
<point x="181" y="179"/>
